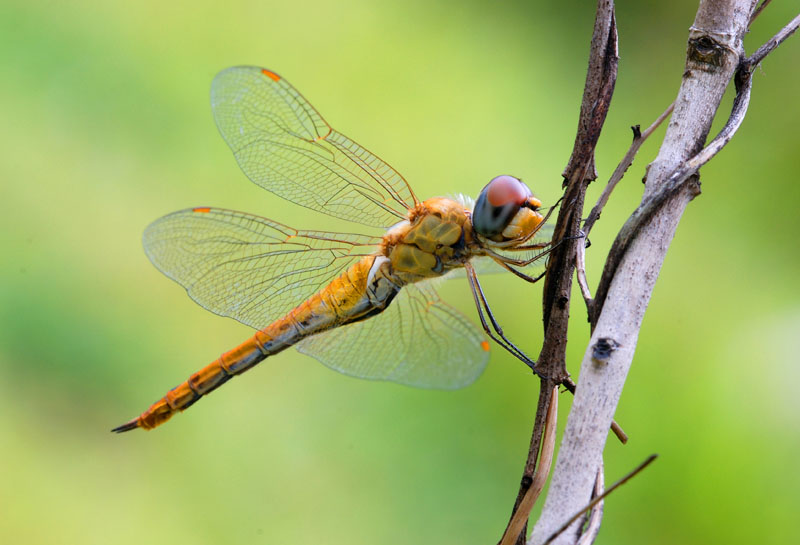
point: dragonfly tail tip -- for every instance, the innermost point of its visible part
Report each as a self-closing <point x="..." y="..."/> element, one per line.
<point x="127" y="426"/>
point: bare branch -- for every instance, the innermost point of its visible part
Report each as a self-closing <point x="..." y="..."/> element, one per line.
<point x="638" y="139"/>
<point x="772" y="43"/>
<point x="758" y="10"/>
<point x="598" y="499"/>
<point x="674" y="183"/>
<point x="520" y="517"/>
<point x="622" y="167"/>
<point x="678" y="179"/>
<point x="596" y="92"/>
<point x="570" y="385"/>
<point x="596" y="513"/>
<point x="713" y="54"/>
<point x="545" y="394"/>
<point x="580" y="270"/>
<point x="600" y="81"/>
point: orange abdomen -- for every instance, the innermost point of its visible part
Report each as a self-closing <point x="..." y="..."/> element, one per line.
<point x="342" y="301"/>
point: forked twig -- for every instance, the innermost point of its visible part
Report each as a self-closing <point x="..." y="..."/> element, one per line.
<point x="598" y="499"/>
<point x="682" y="175"/>
<point x="713" y="58"/>
<point x="638" y="139"/>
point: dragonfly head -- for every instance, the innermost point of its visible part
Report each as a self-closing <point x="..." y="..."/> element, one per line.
<point x="506" y="211"/>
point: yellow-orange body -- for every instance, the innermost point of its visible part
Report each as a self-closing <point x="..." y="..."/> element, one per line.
<point x="436" y="238"/>
<point x="252" y="268"/>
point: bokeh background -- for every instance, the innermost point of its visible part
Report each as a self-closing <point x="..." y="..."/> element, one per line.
<point x="107" y="126"/>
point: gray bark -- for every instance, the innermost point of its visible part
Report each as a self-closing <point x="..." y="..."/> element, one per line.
<point x="713" y="53"/>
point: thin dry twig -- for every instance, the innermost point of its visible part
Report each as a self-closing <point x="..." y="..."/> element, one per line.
<point x="683" y="174"/>
<point x="598" y="90"/>
<point x="570" y="385"/>
<point x="523" y="511"/>
<point x="638" y="139"/>
<point x="713" y="59"/>
<point x="753" y="60"/>
<point x="758" y="10"/>
<point x="580" y="270"/>
<point x="596" y="513"/>
<point x="545" y="394"/>
<point x="598" y="499"/>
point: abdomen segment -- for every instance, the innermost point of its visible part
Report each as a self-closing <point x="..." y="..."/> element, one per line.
<point x="342" y="301"/>
<point x="214" y="375"/>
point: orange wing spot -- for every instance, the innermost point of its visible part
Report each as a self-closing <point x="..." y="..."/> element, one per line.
<point x="202" y="210"/>
<point x="271" y="75"/>
<point x="326" y="135"/>
<point x="485" y="346"/>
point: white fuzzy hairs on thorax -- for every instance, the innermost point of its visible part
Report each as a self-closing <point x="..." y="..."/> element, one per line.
<point x="464" y="200"/>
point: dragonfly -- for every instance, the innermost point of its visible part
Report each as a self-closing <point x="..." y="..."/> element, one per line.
<point x="363" y="305"/>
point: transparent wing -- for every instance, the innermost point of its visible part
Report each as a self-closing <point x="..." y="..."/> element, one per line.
<point x="284" y="145"/>
<point x="247" y="267"/>
<point x="419" y="341"/>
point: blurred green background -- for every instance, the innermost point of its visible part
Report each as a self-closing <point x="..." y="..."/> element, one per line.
<point x="107" y="126"/>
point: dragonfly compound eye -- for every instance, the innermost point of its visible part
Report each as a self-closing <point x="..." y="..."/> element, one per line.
<point x="498" y="203"/>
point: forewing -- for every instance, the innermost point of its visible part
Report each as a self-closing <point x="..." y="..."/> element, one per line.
<point x="247" y="267"/>
<point x="418" y="340"/>
<point x="284" y="145"/>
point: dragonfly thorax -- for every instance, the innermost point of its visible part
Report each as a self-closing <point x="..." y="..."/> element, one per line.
<point x="434" y="240"/>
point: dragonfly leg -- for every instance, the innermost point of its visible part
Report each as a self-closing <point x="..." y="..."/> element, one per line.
<point x="536" y="246"/>
<point x="497" y="335"/>
<point x="520" y="262"/>
<point x="531" y="279"/>
<point x="505" y="260"/>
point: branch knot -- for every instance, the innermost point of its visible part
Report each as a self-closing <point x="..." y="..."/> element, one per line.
<point x="708" y="50"/>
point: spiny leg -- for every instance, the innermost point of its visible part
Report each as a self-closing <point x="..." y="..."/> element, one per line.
<point x="531" y="279"/>
<point x="506" y="260"/>
<point x="502" y="341"/>
<point x="538" y="246"/>
<point x="535" y="246"/>
<point x="481" y="304"/>
<point x="499" y="330"/>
